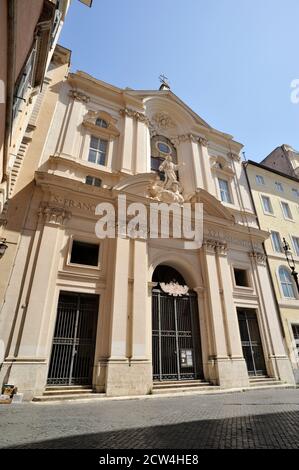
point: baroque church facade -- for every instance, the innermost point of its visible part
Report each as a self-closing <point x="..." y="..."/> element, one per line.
<point x="124" y="316"/>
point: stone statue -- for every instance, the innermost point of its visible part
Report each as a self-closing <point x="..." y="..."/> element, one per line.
<point x="169" y="190"/>
<point x="169" y="168"/>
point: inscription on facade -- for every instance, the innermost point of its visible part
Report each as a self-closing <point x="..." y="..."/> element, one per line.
<point x="73" y="204"/>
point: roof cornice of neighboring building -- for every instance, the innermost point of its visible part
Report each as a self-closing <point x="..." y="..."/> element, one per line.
<point x="271" y="170"/>
<point x="61" y="55"/>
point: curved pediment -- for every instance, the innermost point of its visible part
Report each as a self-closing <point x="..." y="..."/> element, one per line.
<point x="136" y="185"/>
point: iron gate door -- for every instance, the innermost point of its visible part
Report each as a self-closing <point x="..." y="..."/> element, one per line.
<point x="176" y="337"/>
<point x="73" y="347"/>
<point x="251" y="342"/>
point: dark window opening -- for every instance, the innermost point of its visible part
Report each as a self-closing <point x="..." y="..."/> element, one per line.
<point x="101" y="123"/>
<point x="241" y="277"/>
<point x="85" y="253"/>
<point x="92" y="181"/>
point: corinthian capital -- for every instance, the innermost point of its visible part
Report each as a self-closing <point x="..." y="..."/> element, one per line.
<point x="54" y="215"/>
<point x="79" y="96"/>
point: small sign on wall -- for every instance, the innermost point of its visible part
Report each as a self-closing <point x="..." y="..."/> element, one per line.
<point x="186" y="356"/>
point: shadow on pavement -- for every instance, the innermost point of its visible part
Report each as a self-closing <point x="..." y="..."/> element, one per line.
<point x="266" y="431"/>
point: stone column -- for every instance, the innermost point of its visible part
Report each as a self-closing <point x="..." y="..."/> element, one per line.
<point x="239" y="373"/>
<point x="206" y="167"/>
<point x="26" y="363"/>
<point x="117" y="381"/>
<point x="141" y="153"/>
<point x="127" y="141"/>
<point x="218" y="354"/>
<point x="74" y="118"/>
<point x="198" y="174"/>
<point x="141" y="367"/>
<point x="277" y="361"/>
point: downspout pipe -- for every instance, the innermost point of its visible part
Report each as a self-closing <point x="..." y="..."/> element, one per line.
<point x="10" y="80"/>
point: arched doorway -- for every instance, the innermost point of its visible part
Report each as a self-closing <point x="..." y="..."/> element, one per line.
<point x="176" y="342"/>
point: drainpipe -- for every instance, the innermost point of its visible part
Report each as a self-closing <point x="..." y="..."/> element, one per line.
<point x="245" y="164"/>
<point x="10" y="79"/>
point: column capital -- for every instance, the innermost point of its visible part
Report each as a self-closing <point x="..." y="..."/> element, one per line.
<point x="79" y="96"/>
<point x="134" y="115"/>
<point x="259" y="257"/>
<point x="221" y="248"/>
<point x="53" y="214"/>
<point x="215" y="246"/>
<point x="203" y="141"/>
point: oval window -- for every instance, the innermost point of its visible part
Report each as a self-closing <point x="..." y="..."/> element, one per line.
<point x="164" y="148"/>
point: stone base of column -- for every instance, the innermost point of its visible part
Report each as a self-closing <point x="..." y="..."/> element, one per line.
<point x="128" y="377"/>
<point x="281" y="369"/>
<point x="228" y="372"/>
<point x="30" y="377"/>
<point x="100" y="375"/>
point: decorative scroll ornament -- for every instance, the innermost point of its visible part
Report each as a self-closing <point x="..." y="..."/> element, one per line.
<point x="163" y="121"/>
<point x="174" y="289"/>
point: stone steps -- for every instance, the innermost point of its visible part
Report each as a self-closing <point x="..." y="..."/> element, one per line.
<point x="74" y="392"/>
<point x="270" y="382"/>
<point x="62" y="397"/>
<point x="182" y="386"/>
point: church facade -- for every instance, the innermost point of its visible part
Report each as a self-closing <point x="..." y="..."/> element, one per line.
<point x="121" y="315"/>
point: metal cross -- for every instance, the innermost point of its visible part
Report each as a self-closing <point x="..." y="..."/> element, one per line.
<point x="163" y="79"/>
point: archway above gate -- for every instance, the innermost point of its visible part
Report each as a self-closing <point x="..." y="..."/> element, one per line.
<point x="175" y="328"/>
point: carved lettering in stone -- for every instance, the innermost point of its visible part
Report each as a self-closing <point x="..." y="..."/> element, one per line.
<point x="72" y="203"/>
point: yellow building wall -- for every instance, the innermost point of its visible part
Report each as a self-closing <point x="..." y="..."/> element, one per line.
<point x="289" y="308"/>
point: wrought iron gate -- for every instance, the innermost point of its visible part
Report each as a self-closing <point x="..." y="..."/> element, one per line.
<point x="251" y="342"/>
<point x="73" y="347"/>
<point x="176" y="337"/>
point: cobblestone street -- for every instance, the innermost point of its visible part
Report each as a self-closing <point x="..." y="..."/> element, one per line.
<point x="253" y="419"/>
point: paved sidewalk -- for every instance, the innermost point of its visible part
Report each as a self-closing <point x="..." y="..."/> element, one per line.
<point x="253" y="419"/>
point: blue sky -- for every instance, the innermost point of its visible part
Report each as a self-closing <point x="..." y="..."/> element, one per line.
<point x="231" y="61"/>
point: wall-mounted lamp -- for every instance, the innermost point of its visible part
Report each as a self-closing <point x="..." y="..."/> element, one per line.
<point x="3" y="246"/>
<point x="291" y="262"/>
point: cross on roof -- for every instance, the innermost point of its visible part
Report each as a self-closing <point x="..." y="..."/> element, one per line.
<point x="163" y="79"/>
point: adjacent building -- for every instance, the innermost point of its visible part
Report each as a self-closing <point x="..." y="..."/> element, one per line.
<point x="29" y="30"/>
<point x="275" y="190"/>
<point x="126" y="316"/>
